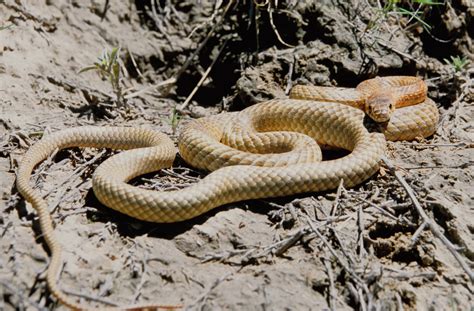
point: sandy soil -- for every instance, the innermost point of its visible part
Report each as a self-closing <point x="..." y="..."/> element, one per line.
<point x="259" y="255"/>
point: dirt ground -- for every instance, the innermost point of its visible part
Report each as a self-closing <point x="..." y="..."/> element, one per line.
<point x="358" y="248"/>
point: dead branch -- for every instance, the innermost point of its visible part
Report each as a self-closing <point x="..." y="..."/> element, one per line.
<point x="205" y="295"/>
<point x="332" y="288"/>
<point x="203" y="78"/>
<point x="426" y="219"/>
<point x="91" y="298"/>
<point x="363" y="288"/>
<point x="187" y="63"/>
<point x="289" y="81"/>
<point x="24" y="297"/>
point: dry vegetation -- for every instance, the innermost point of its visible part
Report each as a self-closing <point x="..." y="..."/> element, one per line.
<point x="403" y="240"/>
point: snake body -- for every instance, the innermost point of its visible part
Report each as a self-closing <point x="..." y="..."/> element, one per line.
<point x="266" y="150"/>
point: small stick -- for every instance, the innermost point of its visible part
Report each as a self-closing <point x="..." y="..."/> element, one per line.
<point x="172" y="173"/>
<point x="460" y="144"/>
<point x="332" y="289"/>
<point x="338" y="197"/>
<point x="291" y="209"/>
<point x="134" y="62"/>
<point x="289" y="82"/>
<point x="360" y="231"/>
<point x="417" y="233"/>
<point x="23" y="297"/>
<point x="158" y="22"/>
<point x="203" y="43"/>
<point x="457" y="103"/>
<point x="220" y="257"/>
<point x="334" y="254"/>
<point x="399" y="302"/>
<point x="288" y="242"/>
<point x="363" y="288"/>
<point x="104" y="11"/>
<point x="385" y="212"/>
<point x="399" y="274"/>
<point x="203" y="78"/>
<point x="89" y="297"/>
<point x="430" y="223"/>
<point x="5" y="227"/>
<point x="398" y="51"/>
<point x="63" y="195"/>
<point x="75" y="212"/>
<point x="167" y="82"/>
<point x="142" y="282"/>
<point x="281" y="246"/>
<point x="353" y="293"/>
<point x="343" y="249"/>
<point x="362" y="300"/>
<point x="460" y="166"/>
<point x="204" y="295"/>
<point x="275" y="30"/>
<point x="70" y="179"/>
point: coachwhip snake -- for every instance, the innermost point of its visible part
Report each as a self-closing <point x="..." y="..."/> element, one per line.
<point x="266" y="150"/>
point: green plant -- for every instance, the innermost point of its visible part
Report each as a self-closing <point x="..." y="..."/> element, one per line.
<point x="108" y="67"/>
<point x="412" y="9"/>
<point x="457" y="62"/>
<point x="6" y="27"/>
<point x="174" y="119"/>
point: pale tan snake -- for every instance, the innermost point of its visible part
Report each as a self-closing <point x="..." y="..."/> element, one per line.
<point x="266" y="150"/>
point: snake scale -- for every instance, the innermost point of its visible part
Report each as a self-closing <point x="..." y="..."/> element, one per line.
<point x="267" y="150"/>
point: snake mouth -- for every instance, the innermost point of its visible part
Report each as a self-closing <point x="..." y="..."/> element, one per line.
<point x="380" y="117"/>
<point x="378" y="112"/>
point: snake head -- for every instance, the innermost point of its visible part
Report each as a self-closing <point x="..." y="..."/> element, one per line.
<point x="380" y="106"/>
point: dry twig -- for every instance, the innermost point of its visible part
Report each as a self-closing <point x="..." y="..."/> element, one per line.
<point x="203" y="78"/>
<point x="427" y="220"/>
<point x="332" y="288"/>
<point x="24" y="297"/>
<point x="363" y="288"/>
<point x="204" y="296"/>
